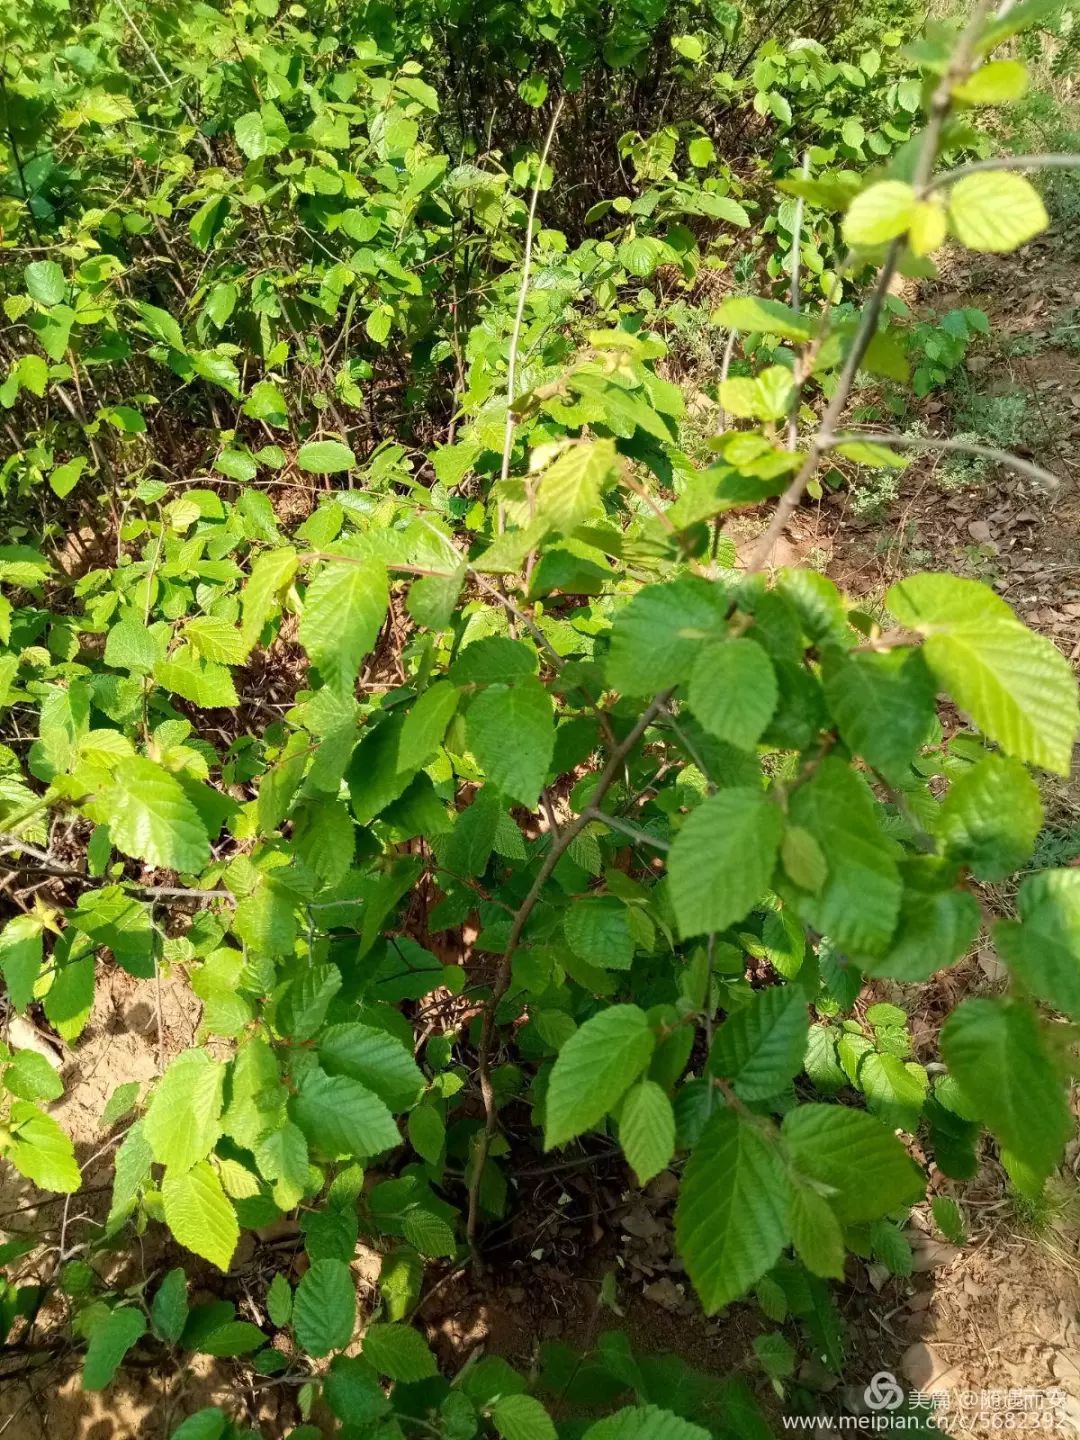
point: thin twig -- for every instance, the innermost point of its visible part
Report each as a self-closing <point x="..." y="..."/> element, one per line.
<point x="1066" y="161"/>
<point x="901" y="441"/>
<point x="796" y="258"/>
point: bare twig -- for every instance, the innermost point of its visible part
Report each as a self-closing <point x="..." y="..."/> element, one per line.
<point x="1065" y="161"/>
<point x="900" y="441"/>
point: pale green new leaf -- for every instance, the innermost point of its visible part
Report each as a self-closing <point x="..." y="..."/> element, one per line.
<point x="151" y="818"/>
<point x="731" y="1222"/>
<point x="325" y="457"/>
<point x="879" y="213"/>
<point x="324" y="1308"/>
<point x="598" y="1063"/>
<point x="996" y="210"/>
<point x="571" y="487"/>
<point x="722" y="860"/>
<point x="995" y="1051"/>
<point x="647" y="1130"/>
<point x="21" y="956"/>
<point x="991" y="818"/>
<point x="750" y="313"/>
<point x="344" y="610"/>
<point x="895" y="1089"/>
<point x="522" y="1417"/>
<point x="398" y="1352"/>
<point x="1016" y="685"/>
<point x="271" y="573"/>
<point x="199" y="1214"/>
<point x="40" y="1150"/>
<point x="645" y="1423"/>
<point x="183" y="1120"/>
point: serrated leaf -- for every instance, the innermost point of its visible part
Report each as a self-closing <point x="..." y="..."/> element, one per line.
<point x="377" y="1059"/>
<point x="325" y="457"/>
<point x="522" y="1417"/>
<point x="993" y="83"/>
<point x="21" y="957"/>
<point x="340" y="1116"/>
<point x="895" y="1089"/>
<point x="1016" y="685"/>
<point x="722" y="860"/>
<point x="1043" y="948"/>
<point x="31" y="1077"/>
<point x="749" y="313"/>
<point x="733" y="691"/>
<point x="647" y="1130"/>
<point x="570" y="488"/>
<point x="995" y="1052"/>
<point x="760" y="1047"/>
<point x="933" y="931"/>
<point x="425" y="724"/>
<point x="110" y="1341"/>
<point x="863" y="1164"/>
<point x="879" y="213"/>
<point x="182" y="1122"/>
<point x="344" y="610"/>
<point x="524" y="711"/>
<point x="216" y="639"/>
<point x="398" y="1352"/>
<point x="991" y="818"/>
<point x="657" y="637"/>
<point x="816" y="1233"/>
<point x="130" y="646"/>
<point x="271" y="573"/>
<point x="44" y="281"/>
<point x="200" y="1215"/>
<point x="598" y="1063"/>
<point x="279" y="1301"/>
<point x="151" y="818"/>
<point x="858" y="904"/>
<point x="40" y="1150"/>
<point x="597" y="929"/>
<point x="883" y="704"/>
<point x="645" y="1422"/>
<point x="731" y="1219"/>
<point x="996" y="211"/>
<point x="169" y="1311"/>
<point x="324" y="1308"/>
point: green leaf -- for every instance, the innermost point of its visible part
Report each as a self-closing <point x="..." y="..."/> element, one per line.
<point x="31" y="1077"/>
<point x="200" y="681"/>
<point x="279" y="1301"/>
<point x="760" y="1047"/>
<point x="340" y="1116"/>
<point x="425" y="724"/>
<point x="991" y="818"/>
<point x="521" y="1417"/>
<point x="994" y="83"/>
<point x="40" y="1150"/>
<point x="199" y="1214"/>
<point x="733" y="691"/>
<point x="996" y="210"/>
<point x="879" y="213"/>
<point x="398" y="1352"/>
<point x="182" y="1122"/>
<point x="324" y="1308"/>
<point x="647" y="1130"/>
<point x="1016" y="685"/>
<point x="522" y="711"/>
<point x="169" y="1311"/>
<point x="325" y="457"/>
<point x="645" y="1423"/>
<point x="894" y="1089"/>
<point x="858" y="905"/>
<point x="353" y="1393"/>
<point x="571" y="487"/>
<point x="750" y="313"/>
<point x="110" y="1341"/>
<point x="657" y="637"/>
<point x="994" y="1050"/>
<point x="883" y="704"/>
<point x="151" y="818"/>
<point x="160" y="324"/>
<point x="1043" y="948"/>
<point x="731" y="1219"/>
<point x="206" y="1424"/>
<point x="344" y="610"/>
<point x="816" y="1233"/>
<point x="597" y="929"/>
<point x="270" y="575"/>
<point x="598" y="1063"/>
<point x="934" y="930"/>
<point x="216" y="639"/>
<point x="863" y="1163"/>
<point x="129" y="645"/>
<point x="21" y="956"/>
<point x="374" y="1057"/>
<point x="722" y="860"/>
<point x="45" y="282"/>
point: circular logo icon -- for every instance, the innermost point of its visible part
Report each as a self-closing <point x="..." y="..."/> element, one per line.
<point x="884" y="1392"/>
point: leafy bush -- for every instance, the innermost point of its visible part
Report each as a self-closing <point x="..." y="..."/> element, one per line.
<point x="362" y="419"/>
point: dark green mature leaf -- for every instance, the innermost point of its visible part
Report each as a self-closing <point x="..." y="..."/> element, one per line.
<point x="933" y="931"/>
<point x="339" y="1116"/>
<point x="731" y="1222"/>
<point x="597" y="928"/>
<point x="1043" y="948"/>
<point x="862" y="1162"/>
<point x="991" y="818"/>
<point x="511" y="731"/>
<point x="657" y="637"/>
<point x="883" y="704"/>
<point x="723" y="859"/>
<point x="375" y="1058"/>
<point x="598" y="1063"/>
<point x="646" y="1422"/>
<point x="858" y="904"/>
<point x="995" y="1051"/>
<point x="324" y="1308"/>
<point x="760" y="1048"/>
<point x="344" y="609"/>
<point x="733" y="691"/>
<point x="110" y="1341"/>
<point x="1015" y="685"/>
<point x="398" y="1352"/>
